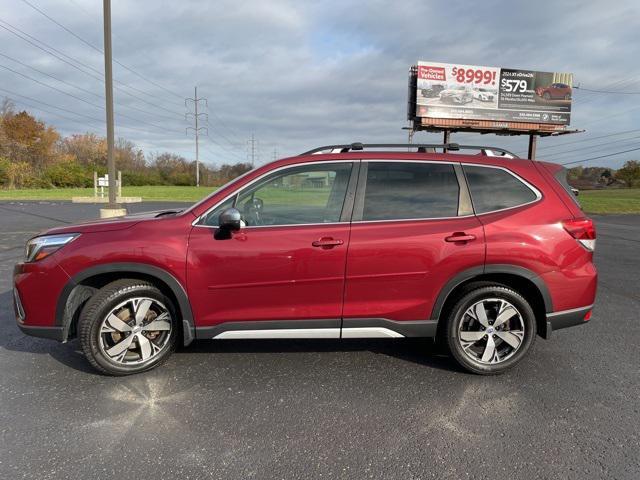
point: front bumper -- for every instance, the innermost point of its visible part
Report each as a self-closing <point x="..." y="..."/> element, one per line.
<point x="566" y="319"/>
<point x="36" y="289"/>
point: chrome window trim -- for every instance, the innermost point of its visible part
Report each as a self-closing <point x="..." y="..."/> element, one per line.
<point x="292" y="165"/>
<point x="537" y="192"/>
<point x="414" y="219"/>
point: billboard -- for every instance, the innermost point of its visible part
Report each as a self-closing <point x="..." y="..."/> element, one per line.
<point x="470" y="92"/>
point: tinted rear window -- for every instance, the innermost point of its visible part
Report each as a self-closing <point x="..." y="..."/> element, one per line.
<point x="561" y="176"/>
<point x="403" y="190"/>
<point x="495" y="189"/>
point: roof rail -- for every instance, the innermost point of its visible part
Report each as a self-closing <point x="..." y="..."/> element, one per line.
<point x="421" y="147"/>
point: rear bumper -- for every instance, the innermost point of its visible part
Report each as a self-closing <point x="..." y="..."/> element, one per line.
<point x="567" y="318"/>
<point x="52" y="333"/>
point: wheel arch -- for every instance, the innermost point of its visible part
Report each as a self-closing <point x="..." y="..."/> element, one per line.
<point x="85" y="283"/>
<point x="524" y="281"/>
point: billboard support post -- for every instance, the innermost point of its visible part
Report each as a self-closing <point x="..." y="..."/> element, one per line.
<point x="533" y="143"/>
<point x="446" y="139"/>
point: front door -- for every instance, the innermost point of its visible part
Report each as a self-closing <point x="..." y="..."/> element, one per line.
<point x="285" y="269"/>
<point x="413" y="230"/>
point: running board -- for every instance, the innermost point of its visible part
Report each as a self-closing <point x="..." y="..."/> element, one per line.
<point x="361" y="332"/>
<point x="320" y="328"/>
<point x="279" y="333"/>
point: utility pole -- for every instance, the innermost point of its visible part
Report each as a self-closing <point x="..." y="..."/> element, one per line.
<point x="196" y="117"/>
<point x="275" y="153"/>
<point x="113" y="209"/>
<point x="252" y="149"/>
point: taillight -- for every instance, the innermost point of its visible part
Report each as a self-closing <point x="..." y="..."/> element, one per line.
<point x="583" y="230"/>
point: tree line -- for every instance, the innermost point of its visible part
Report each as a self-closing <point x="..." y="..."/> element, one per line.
<point x="34" y="155"/>
<point x="601" y="177"/>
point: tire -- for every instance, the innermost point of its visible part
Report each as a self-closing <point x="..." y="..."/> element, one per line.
<point x="143" y="324"/>
<point x="467" y="337"/>
<point x="546" y="96"/>
<point x="567" y="97"/>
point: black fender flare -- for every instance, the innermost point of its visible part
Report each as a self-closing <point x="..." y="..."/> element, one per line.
<point x="188" y="325"/>
<point x="470" y="273"/>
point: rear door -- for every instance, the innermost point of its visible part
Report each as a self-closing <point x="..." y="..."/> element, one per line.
<point x="413" y="230"/>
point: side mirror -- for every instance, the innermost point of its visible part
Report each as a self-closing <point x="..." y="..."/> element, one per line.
<point x="230" y="220"/>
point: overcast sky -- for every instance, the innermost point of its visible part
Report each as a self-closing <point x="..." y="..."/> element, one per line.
<point x="301" y="74"/>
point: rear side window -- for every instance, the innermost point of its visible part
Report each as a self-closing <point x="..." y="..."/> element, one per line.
<point x="496" y="189"/>
<point x="561" y="176"/>
<point x="405" y="190"/>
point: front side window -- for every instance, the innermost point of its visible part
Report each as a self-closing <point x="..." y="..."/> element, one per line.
<point x="410" y="190"/>
<point x="307" y="194"/>
<point x="496" y="189"/>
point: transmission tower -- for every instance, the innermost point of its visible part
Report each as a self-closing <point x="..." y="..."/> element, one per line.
<point x="253" y="149"/>
<point x="195" y="115"/>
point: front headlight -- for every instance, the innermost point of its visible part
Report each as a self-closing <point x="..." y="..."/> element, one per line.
<point x="41" y="247"/>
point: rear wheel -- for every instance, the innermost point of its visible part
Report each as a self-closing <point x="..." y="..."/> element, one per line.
<point x="490" y="329"/>
<point x="127" y="327"/>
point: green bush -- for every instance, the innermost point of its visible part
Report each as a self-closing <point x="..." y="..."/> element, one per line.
<point x="137" y="179"/>
<point x="68" y="174"/>
<point x="4" y="172"/>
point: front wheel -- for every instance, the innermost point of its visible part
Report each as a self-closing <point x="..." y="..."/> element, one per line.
<point x="490" y="329"/>
<point x="127" y="327"/>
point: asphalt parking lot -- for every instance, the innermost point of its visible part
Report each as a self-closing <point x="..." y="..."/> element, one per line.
<point x="324" y="408"/>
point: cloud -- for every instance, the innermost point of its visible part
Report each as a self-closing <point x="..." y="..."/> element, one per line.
<point x="301" y="74"/>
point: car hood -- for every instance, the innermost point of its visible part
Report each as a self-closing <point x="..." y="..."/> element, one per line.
<point x="111" y="224"/>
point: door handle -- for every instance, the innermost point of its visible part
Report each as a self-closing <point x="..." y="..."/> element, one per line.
<point x="459" y="237"/>
<point x="326" y="242"/>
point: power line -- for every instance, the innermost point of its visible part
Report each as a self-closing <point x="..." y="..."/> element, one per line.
<point x="44" y="49"/>
<point x="50" y="76"/>
<point x="52" y="106"/>
<point x="86" y="101"/>
<point x="71" y="32"/>
<point x="606" y="91"/>
<point x="596" y="146"/>
<point x="547" y="147"/>
<point x="50" y="86"/>
<point x="601" y="156"/>
<point x="100" y="77"/>
<point x="222" y="147"/>
<point x="75" y="120"/>
<point x="83" y="89"/>
<point x="98" y="49"/>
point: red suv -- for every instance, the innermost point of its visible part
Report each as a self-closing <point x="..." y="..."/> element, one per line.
<point x="555" y="91"/>
<point x="482" y="252"/>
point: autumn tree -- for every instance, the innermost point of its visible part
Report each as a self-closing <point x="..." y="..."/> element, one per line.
<point x="630" y="173"/>
<point x="27" y="140"/>
<point x="88" y="149"/>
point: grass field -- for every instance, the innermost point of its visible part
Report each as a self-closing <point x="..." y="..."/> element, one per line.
<point x="610" y="201"/>
<point x="175" y="194"/>
<point x="592" y="201"/>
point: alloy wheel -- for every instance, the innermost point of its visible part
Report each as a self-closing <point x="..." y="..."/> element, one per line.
<point x="491" y="331"/>
<point x="135" y="331"/>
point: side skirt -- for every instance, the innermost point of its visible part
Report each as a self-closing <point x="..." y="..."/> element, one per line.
<point x="325" y="328"/>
